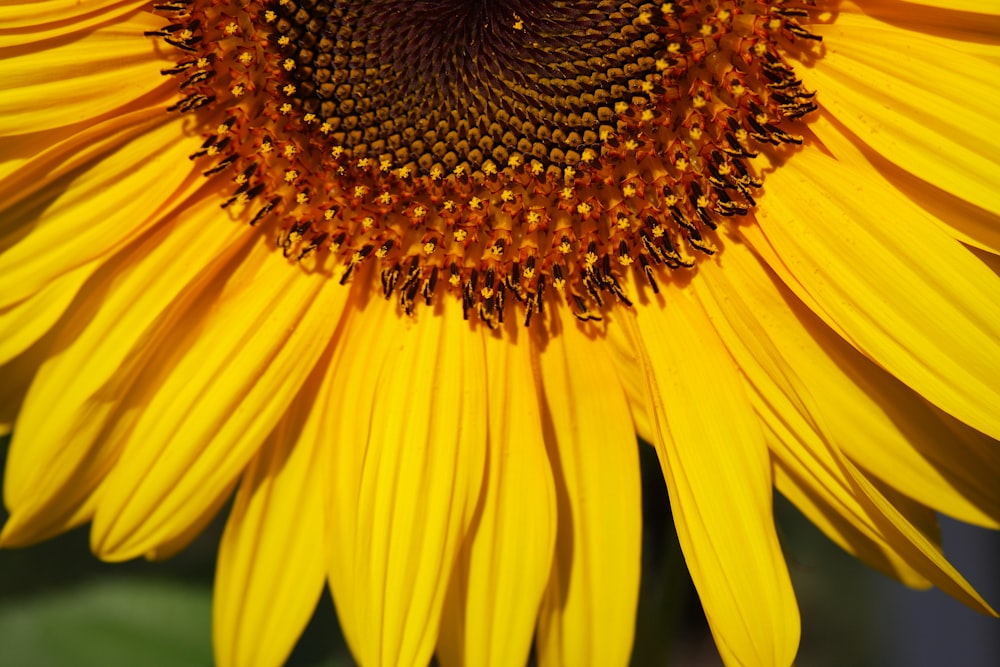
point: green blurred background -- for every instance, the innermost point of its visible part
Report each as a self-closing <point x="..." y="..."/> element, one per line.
<point x="61" y="607"/>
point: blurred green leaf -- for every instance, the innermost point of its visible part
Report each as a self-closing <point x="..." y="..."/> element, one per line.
<point x="109" y="622"/>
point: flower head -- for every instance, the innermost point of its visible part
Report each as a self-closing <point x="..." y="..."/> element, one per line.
<point x="410" y="278"/>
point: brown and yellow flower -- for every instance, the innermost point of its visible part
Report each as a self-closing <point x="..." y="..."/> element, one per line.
<point x="409" y="277"/>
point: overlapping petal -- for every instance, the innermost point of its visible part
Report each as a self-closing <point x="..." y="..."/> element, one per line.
<point x="414" y="461"/>
<point x="881" y="272"/>
<point x="272" y="559"/>
<point x="219" y="389"/>
<point x="924" y="107"/>
<point x="91" y="73"/>
<point x="497" y="586"/>
<point x="588" y="613"/>
<point x="110" y="335"/>
<point x="716" y="465"/>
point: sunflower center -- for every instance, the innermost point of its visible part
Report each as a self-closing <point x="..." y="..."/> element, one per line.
<point x="506" y="150"/>
<point x="460" y="82"/>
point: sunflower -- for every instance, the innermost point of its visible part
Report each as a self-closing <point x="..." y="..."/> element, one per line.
<point x="407" y="280"/>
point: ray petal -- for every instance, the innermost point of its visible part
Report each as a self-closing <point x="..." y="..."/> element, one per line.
<point x="97" y="72"/>
<point x="21" y="14"/>
<point x="878" y="422"/>
<point x="23" y="24"/>
<point x="415" y="482"/>
<point x="716" y="466"/>
<point x="86" y="212"/>
<point x="107" y="337"/>
<point x="882" y="273"/>
<point x="272" y="559"/>
<point x="498" y="584"/>
<point x="588" y="613"/>
<point x="881" y="82"/>
<point x="212" y="399"/>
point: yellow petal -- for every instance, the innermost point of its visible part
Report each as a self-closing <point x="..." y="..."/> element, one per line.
<point x="975" y="6"/>
<point x="17" y="375"/>
<point x="916" y="548"/>
<point x="21" y="15"/>
<point x="26" y="23"/>
<point x="588" y="613"/>
<point x="233" y="367"/>
<point x="976" y="31"/>
<point x="880" y="81"/>
<point x="359" y="347"/>
<point x="179" y="541"/>
<point x="97" y="72"/>
<point x="877" y="269"/>
<point x="798" y="362"/>
<point x="716" y="466"/>
<point x="78" y="217"/>
<point x="272" y="559"/>
<point x="23" y="323"/>
<point x="497" y="586"/>
<point x="623" y="349"/>
<point x="417" y="460"/>
<point x="827" y="511"/>
<point x="105" y="341"/>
